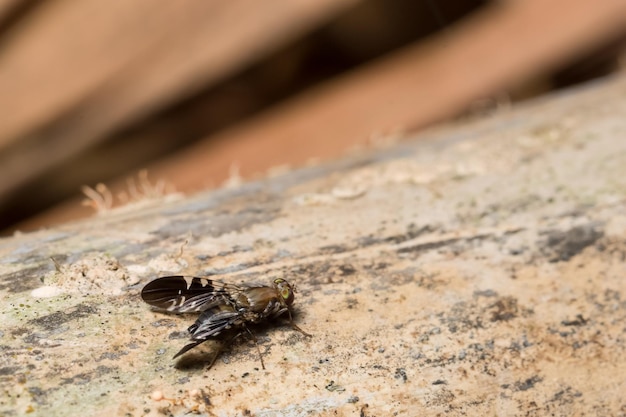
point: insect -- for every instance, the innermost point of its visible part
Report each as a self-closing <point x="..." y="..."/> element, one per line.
<point x="227" y="309"/>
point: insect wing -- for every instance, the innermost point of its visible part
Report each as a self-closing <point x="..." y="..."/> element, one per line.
<point x="210" y="324"/>
<point x="182" y="294"/>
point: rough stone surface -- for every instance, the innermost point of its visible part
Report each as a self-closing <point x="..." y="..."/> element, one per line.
<point x="476" y="271"/>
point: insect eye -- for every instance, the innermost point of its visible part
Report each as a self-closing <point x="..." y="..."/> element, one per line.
<point x="284" y="289"/>
<point x="285" y="293"/>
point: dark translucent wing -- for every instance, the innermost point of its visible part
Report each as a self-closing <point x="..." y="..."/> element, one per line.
<point x="210" y="324"/>
<point x="187" y="347"/>
<point x="183" y="294"/>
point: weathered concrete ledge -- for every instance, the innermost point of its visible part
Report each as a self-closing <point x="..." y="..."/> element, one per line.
<point x="476" y="271"/>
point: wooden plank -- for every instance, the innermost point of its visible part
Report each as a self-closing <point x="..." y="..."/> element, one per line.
<point x="71" y="72"/>
<point x="7" y="7"/>
<point x="489" y="53"/>
<point x="411" y="89"/>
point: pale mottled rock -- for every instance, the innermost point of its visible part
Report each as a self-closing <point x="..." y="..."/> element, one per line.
<point x="477" y="271"/>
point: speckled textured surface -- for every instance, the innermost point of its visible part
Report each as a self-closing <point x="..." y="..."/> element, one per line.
<point x="478" y="271"/>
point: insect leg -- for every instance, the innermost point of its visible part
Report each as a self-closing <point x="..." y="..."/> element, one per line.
<point x="257" y="346"/>
<point x="222" y="348"/>
<point x="295" y="326"/>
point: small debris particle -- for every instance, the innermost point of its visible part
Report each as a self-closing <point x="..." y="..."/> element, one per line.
<point x="346" y="269"/>
<point x="205" y="398"/>
<point x="563" y="245"/>
<point x="331" y="386"/>
<point x="47" y="291"/>
<point x="579" y="321"/>
<point x="157" y="395"/>
<point x="485" y="293"/>
<point x="178" y="335"/>
<point x="504" y="309"/>
<point x="401" y="374"/>
<point x="353" y="399"/>
<point x="528" y="383"/>
<point x="348" y="192"/>
<point x="440" y="382"/>
<point x="163" y="323"/>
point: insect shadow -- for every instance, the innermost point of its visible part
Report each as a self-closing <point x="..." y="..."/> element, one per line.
<point x="201" y="358"/>
<point x="205" y="355"/>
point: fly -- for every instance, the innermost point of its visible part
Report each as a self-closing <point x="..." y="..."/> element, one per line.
<point x="226" y="309"/>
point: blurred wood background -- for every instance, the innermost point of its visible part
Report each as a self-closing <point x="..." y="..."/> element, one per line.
<point x="200" y="92"/>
